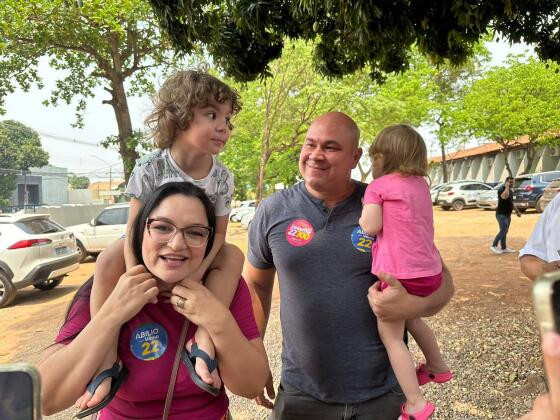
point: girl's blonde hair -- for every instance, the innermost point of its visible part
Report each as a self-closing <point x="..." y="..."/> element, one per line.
<point x="180" y="94"/>
<point x="403" y="150"/>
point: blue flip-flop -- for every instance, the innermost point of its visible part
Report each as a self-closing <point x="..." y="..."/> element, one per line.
<point x="189" y="359"/>
<point x="118" y="374"/>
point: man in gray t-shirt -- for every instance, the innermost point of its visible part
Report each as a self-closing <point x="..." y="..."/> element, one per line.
<point x="334" y="364"/>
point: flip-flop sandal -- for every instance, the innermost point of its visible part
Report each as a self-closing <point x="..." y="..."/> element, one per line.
<point x="424" y="376"/>
<point x="189" y="359"/>
<point x="423" y="414"/>
<point x="118" y="374"/>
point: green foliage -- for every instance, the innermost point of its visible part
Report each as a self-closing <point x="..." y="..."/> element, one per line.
<point x="522" y="98"/>
<point x="21" y="149"/>
<point x="137" y="141"/>
<point x="245" y="36"/>
<point x="103" y="43"/>
<point x="78" y="182"/>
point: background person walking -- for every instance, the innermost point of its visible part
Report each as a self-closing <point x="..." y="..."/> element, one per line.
<point x="503" y="215"/>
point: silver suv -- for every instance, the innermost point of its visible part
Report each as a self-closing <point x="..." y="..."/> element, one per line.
<point x="34" y="250"/>
<point x="459" y="195"/>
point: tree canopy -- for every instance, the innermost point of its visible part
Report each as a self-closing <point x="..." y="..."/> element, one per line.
<point x="244" y="36"/>
<point x="522" y="98"/>
<point x="21" y="149"/>
<point x="113" y="44"/>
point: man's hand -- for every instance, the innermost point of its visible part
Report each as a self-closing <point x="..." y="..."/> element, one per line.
<point x="262" y="400"/>
<point x="391" y="303"/>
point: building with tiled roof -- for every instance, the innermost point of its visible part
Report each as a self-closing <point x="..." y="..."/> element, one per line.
<point x="487" y="162"/>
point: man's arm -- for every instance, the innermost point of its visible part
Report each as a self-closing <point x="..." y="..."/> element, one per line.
<point x="533" y="266"/>
<point x="260" y="283"/>
<point x="394" y="303"/>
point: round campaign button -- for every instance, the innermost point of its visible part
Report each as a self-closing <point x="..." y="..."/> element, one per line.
<point x="299" y="233"/>
<point x="361" y="240"/>
<point x="148" y="341"/>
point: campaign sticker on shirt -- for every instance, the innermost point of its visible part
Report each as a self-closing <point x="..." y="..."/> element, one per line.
<point x="361" y="240"/>
<point x="299" y="232"/>
<point x="148" y="341"/>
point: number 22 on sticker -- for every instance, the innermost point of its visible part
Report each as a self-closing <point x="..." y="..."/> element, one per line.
<point x="364" y="242"/>
<point x="150" y="348"/>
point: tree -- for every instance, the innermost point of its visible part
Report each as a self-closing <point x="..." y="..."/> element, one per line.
<point x="245" y="36"/>
<point x="115" y="44"/>
<point x="279" y="109"/>
<point x="21" y="149"/>
<point x="520" y="99"/>
<point x="78" y="182"/>
<point x="451" y="84"/>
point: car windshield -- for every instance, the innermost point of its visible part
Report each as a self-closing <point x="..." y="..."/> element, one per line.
<point x="38" y="226"/>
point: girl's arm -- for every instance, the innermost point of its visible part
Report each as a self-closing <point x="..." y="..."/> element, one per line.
<point x="371" y="220"/>
<point x="67" y="369"/>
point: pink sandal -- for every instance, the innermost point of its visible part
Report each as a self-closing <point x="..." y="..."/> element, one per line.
<point x="423" y="414"/>
<point x="424" y="376"/>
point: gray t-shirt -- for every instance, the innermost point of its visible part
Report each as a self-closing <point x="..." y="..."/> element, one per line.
<point x="158" y="168"/>
<point x="331" y="349"/>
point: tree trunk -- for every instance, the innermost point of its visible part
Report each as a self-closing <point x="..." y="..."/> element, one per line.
<point x="124" y="124"/>
<point x="530" y="158"/>
<point x="506" y="155"/>
<point x="443" y="163"/>
<point x="363" y="173"/>
<point x="260" y="179"/>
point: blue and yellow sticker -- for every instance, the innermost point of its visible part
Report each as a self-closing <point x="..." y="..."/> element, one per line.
<point x="148" y="341"/>
<point x="361" y="240"/>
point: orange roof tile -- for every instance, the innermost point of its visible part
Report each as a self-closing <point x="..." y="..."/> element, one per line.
<point x="479" y="150"/>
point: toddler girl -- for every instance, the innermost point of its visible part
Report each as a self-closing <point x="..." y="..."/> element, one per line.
<point x="398" y="209"/>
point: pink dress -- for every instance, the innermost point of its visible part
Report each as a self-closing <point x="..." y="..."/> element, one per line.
<point x="405" y="245"/>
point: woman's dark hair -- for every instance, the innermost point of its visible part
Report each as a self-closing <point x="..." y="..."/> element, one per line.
<point x="166" y="190"/>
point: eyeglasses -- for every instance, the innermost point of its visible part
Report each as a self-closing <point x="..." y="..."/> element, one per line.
<point x="163" y="232"/>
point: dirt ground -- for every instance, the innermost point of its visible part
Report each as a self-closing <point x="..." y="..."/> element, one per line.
<point x="487" y="332"/>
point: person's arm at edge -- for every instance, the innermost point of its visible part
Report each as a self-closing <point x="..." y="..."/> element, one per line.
<point x="532" y="266"/>
<point x="394" y="303"/>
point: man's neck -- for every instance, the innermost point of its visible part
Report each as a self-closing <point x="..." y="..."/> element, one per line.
<point x="332" y="197"/>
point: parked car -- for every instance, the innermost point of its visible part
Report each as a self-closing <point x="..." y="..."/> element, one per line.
<point x="528" y="189"/>
<point x="237" y="213"/>
<point x="459" y="195"/>
<point x="434" y="192"/>
<point x="101" y="231"/>
<point x="489" y="200"/>
<point x="34" y="251"/>
<point x="550" y="192"/>
<point x="247" y="217"/>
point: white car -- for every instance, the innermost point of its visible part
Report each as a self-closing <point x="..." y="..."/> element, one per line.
<point x="247" y="217"/>
<point x="101" y="231"/>
<point x="458" y="195"/>
<point x="489" y="200"/>
<point x="34" y="250"/>
<point x="245" y="207"/>
<point x="434" y="192"/>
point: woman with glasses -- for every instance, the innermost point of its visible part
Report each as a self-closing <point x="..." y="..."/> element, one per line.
<point x="148" y="311"/>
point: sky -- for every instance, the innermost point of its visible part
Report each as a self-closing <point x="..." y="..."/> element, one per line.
<point x="79" y="151"/>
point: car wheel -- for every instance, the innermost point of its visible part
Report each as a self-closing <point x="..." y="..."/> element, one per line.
<point x="445" y="208"/>
<point x="7" y="291"/>
<point x="539" y="206"/>
<point x="83" y="253"/>
<point x="458" y="205"/>
<point x="49" y="283"/>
